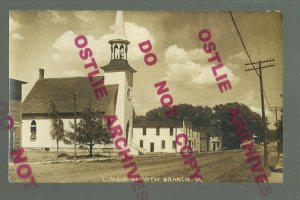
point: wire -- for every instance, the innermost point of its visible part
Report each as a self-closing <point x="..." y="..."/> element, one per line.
<point x="248" y="55"/>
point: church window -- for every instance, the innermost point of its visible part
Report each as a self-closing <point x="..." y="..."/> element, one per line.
<point x="33" y="130"/>
<point x="144" y="131"/>
<point x="163" y="144"/>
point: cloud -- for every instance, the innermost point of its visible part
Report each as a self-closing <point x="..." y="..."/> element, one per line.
<point x="65" y="50"/>
<point x="239" y="56"/>
<point x="84" y="15"/>
<point x="51" y="16"/>
<point x="191" y="68"/>
<point x="14" y="27"/>
<point x="17" y="36"/>
<point x="174" y="54"/>
<point x="237" y="61"/>
<point x="258" y="110"/>
<point x="57" y="18"/>
<point x="135" y="35"/>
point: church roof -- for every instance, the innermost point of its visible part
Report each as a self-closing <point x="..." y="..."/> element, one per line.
<point x="61" y="91"/>
<point x="117" y="65"/>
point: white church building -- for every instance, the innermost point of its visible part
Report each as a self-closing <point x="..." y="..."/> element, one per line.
<point x="143" y="137"/>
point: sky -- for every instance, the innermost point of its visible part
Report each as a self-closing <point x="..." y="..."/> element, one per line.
<point x="45" y="39"/>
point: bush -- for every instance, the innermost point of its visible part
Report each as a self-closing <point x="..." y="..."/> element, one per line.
<point x="62" y="154"/>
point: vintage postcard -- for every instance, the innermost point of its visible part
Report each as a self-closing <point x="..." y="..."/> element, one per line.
<point x="146" y="96"/>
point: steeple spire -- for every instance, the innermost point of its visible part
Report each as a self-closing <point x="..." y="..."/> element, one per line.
<point x="119" y="43"/>
<point x="119" y="32"/>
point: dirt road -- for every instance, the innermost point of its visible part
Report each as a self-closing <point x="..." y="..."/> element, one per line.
<point x="165" y="166"/>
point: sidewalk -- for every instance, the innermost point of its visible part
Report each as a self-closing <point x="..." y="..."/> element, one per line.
<point x="277" y="172"/>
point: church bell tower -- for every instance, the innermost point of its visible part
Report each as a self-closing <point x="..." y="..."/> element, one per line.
<point x="119" y="72"/>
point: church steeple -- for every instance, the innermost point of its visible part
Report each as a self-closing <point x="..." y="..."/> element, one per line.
<point x="119" y="43"/>
<point x="119" y="26"/>
<point x="119" y="48"/>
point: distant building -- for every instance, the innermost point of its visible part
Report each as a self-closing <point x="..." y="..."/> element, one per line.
<point x="15" y="110"/>
<point x="160" y="136"/>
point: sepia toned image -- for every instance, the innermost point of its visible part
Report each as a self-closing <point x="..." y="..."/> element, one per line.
<point x="157" y="96"/>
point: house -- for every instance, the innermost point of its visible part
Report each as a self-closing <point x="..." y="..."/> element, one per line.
<point x="160" y="136"/>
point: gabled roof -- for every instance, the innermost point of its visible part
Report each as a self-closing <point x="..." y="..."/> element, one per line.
<point x="61" y="90"/>
<point x="167" y="123"/>
<point x="209" y="131"/>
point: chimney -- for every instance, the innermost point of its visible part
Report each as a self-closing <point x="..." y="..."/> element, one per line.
<point x="41" y="70"/>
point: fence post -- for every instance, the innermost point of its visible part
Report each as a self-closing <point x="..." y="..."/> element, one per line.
<point x="43" y="150"/>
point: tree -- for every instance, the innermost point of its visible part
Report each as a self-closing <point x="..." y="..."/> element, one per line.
<point x="253" y="120"/>
<point x="198" y="115"/>
<point x="279" y="127"/>
<point x="57" y="127"/>
<point x="91" y="129"/>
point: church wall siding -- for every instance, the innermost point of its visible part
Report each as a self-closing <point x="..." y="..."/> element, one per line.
<point x="43" y="137"/>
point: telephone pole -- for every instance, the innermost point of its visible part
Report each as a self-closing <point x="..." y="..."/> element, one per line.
<point x="258" y="66"/>
<point x="275" y="109"/>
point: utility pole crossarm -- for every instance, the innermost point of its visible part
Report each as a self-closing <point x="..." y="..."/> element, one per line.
<point x="266" y="66"/>
<point x="260" y="61"/>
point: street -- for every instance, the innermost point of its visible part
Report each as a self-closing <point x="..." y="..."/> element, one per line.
<point x="218" y="166"/>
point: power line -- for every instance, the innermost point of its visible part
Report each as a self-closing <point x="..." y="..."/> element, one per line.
<point x="244" y="46"/>
<point x="258" y="71"/>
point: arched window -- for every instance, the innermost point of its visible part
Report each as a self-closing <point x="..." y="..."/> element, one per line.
<point x="116" y="52"/>
<point x="33" y="130"/>
<point x="122" y="52"/>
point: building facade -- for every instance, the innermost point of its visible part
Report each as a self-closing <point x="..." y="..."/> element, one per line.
<point x="160" y="136"/>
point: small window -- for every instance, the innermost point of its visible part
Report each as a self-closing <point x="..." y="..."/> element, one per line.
<point x="144" y="131"/>
<point x="190" y="142"/>
<point x="173" y="144"/>
<point x="141" y="144"/>
<point x="171" y="131"/>
<point x="33" y="130"/>
<point x="163" y="144"/>
<point x="157" y="131"/>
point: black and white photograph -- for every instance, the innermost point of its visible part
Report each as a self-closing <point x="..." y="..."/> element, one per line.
<point x="109" y="96"/>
